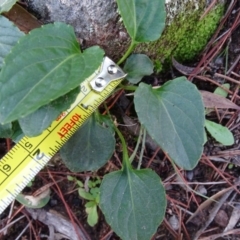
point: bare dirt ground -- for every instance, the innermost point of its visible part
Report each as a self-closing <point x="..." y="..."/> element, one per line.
<point x="189" y="215"/>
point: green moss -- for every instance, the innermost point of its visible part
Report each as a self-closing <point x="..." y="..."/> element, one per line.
<point x="185" y="38"/>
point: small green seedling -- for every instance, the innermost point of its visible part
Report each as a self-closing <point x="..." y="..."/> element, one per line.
<point x="91" y="193"/>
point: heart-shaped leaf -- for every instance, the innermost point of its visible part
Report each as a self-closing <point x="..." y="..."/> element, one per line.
<point x="89" y="148"/>
<point x="220" y="133"/>
<point x="34" y="123"/>
<point x="133" y="202"/>
<point x="174" y="117"/>
<point x="143" y="19"/>
<point x="6" y="5"/>
<point x="17" y="134"/>
<point x="9" y="35"/>
<point x="137" y="66"/>
<point x="45" y="64"/>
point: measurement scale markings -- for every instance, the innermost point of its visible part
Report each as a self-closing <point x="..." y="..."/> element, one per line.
<point x="10" y="194"/>
<point x="34" y="153"/>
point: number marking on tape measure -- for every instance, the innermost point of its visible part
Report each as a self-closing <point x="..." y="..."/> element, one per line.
<point x="19" y="166"/>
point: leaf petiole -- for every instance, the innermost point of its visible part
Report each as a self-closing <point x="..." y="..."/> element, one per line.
<point x="137" y="145"/>
<point x="128" y="52"/>
<point x="126" y="162"/>
<point x="142" y="149"/>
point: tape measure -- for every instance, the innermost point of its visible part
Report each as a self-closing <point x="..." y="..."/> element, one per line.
<point x="30" y="155"/>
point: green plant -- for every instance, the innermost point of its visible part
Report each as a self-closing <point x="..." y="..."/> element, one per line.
<point x="40" y="77"/>
<point x="92" y="195"/>
<point x="217" y="131"/>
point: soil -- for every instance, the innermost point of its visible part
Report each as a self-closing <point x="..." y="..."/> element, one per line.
<point x="218" y="169"/>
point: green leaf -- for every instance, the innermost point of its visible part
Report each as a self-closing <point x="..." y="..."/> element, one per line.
<point x="9" y="37"/>
<point x="174" y="117"/>
<point x="70" y="178"/>
<point x="82" y="193"/>
<point x="6" y="5"/>
<point x="95" y="191"/>
<point x="34" y="123"/>
<point x="92" y="218"/>
<point x="6" y="130"/>
<point x="133" y="202"/>
<point x="45" y="64"/>
<point x="137" y="66"/>
<point x="91" y="184"/>
<point x="89" y="148"/>
<point x="143" y="19"/>
<point x="205" y="137"/>
<point x="221" y="92"/>
<point x="80" y="184"/>
<point x="17" y="132"/>
<point x="220" y="133"/>
<point x="90" y="204"/>
<point x="34" y="201"/>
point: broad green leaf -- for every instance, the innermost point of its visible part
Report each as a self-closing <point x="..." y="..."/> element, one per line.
<point x="92" y="218"/>
<point x="6" y="130"/>
<point x="174" y="117"/>
<point x="89" y="148"/>
<point x="133" y="203"/>
<point x="45" y="64"/>
<point x="6" y="5"/>
<point x="137" y="66"/>
<point x="143" y="19"/>
<point x="220" y="133"/>
<point x="221" y="92"/>
<point x="105" y="121"/>
<point x="9" y="36"/>
<point x="17" y="132"/>
<point x="34" y="123"/>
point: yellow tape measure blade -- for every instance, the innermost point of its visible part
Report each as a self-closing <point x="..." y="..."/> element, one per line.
<point x="30" y="155"/>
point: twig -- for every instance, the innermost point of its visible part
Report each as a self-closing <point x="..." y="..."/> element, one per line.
<point x="213" y="213"/>
<point x="10" y="224"/>
<point x="22" y="232"/>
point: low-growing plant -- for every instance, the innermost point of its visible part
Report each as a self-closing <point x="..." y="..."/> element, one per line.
<point x="40" y="77"/>
<point x="91" y="193"/>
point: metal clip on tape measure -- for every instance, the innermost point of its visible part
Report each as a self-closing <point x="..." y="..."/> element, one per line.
<point x="30" y="155"/>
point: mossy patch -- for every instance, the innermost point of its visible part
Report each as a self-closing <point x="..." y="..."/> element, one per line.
<point x="185" y="38"/>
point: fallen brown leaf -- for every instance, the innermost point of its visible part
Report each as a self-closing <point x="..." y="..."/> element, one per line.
<point x="212" y="100"/>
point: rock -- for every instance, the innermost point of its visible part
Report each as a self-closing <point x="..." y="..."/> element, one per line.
<point x="97" y="22"/>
